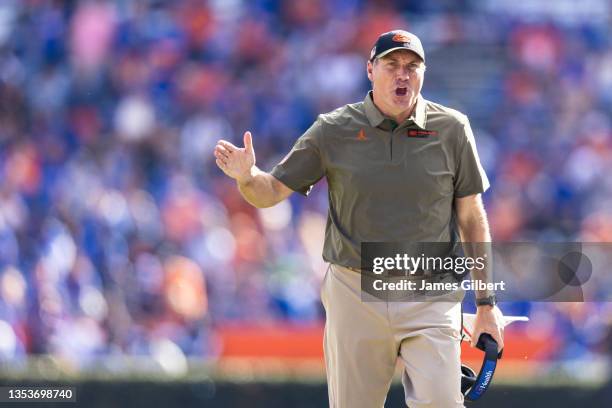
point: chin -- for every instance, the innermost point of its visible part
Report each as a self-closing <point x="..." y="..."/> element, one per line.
<point x="403" y="102"/>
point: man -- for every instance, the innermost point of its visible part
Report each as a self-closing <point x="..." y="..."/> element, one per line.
<point x="399" y="168"/>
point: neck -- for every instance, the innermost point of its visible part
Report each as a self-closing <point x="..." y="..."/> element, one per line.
<point x="398" y="117"/>
<point x="401" y="117"/>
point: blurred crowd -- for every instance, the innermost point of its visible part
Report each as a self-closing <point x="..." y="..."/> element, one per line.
<point x="120" y="236"/>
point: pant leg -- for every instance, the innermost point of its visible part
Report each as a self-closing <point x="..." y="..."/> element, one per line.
<point x="360" y="350"/>
<point x="430" y="350"/>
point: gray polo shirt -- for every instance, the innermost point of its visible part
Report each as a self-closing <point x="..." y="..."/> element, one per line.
<point x="387" y="182"/>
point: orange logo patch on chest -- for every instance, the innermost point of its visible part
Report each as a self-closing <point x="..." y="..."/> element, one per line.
<point x="361" y="135"/>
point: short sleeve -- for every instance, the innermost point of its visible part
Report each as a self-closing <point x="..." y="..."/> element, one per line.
<point x="470" y="177"/>
<point x="302" y="167"/>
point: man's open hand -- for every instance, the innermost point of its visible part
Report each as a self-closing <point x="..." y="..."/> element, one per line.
<point x="236" y="162"/>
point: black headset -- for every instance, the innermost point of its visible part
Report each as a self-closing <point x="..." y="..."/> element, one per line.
<point x="474" y="386"/>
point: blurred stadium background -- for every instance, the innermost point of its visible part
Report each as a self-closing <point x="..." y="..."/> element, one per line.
<point x="131" y="267"/>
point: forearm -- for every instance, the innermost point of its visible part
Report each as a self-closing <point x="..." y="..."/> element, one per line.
<point x="476" y="228"/>
<point x="476" y="239"/>
<point x="477" y="245"/>
<point x="259" y="189"/>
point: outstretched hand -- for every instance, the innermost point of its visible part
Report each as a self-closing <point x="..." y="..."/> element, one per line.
<point x="236" y="162"/>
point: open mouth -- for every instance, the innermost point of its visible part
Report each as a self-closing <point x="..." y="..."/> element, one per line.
<point x="401" y="91"/>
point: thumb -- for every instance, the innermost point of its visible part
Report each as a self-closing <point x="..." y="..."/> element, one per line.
<point x="475" y="337"/>
<point x="248" y="141"/>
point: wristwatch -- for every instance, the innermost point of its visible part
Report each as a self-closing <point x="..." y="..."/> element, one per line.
<point x="489" y="300"/>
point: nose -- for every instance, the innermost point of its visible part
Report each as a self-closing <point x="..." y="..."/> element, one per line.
<point x="402" y="79"/>
<point x="403" y="74"/>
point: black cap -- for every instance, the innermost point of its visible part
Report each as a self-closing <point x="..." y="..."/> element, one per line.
<point x="397" y="40"/>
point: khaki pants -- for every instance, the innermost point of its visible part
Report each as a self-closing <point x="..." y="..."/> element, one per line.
<point x="363" y="341"/>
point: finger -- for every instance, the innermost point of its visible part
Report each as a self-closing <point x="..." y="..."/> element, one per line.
<point x="500" y="340"/>
<point x="221" y="156"/>
<point x="223" y="149"/>
<point x="475" y="337"/>
<point x="221" y="164"/>
<point x="248" y="140"/>
<point x="222" y="152"/>
<point x="227" y="145"/>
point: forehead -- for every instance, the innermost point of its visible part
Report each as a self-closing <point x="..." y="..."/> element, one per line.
<point x="402" y="56"/>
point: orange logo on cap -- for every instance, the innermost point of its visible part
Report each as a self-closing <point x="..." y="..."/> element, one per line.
<point x="361" y="135"/>
<point x="401" y="37"/>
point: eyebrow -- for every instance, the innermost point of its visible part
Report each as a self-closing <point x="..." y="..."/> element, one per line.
<point x="392" y="59"/>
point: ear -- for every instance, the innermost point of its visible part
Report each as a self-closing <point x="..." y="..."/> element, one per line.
<point x="370" y="68"/>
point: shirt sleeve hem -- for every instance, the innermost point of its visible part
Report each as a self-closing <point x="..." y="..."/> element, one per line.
<point x="461" y="194"/>
<point x="281" y="176"/>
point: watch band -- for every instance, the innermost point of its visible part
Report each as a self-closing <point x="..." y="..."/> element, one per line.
<point x="488" y="301"/>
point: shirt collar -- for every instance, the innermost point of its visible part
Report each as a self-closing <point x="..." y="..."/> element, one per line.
<point x="420" y="112"/>
<point x="375" y="116"/>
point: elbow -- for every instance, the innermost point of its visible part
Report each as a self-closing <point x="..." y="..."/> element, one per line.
<point x="270" y="202"/>
<point x="263" y="205"/>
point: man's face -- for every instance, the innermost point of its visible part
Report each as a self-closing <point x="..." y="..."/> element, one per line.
<point x="397" y="79"/>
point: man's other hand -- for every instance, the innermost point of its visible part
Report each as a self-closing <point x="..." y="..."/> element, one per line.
<point x="490" y="320"/>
